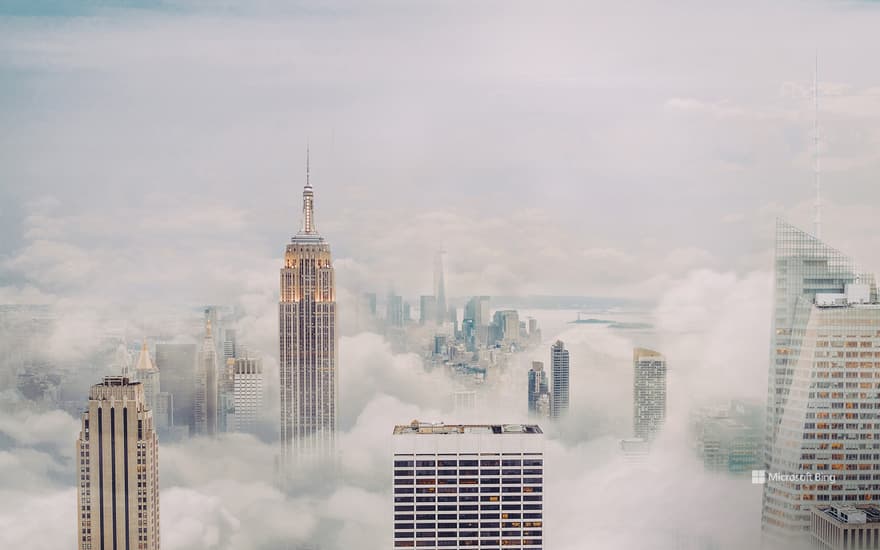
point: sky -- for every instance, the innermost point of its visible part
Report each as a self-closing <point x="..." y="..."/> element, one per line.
<point x="152" y="157"/>
<point x="577" y="148"/>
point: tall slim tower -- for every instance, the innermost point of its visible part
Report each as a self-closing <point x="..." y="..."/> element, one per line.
<point x="559" y="379"/>
<point x="307" y="341"/>
<point x="118" y="493"/>
<point x="147" y="374"/>
<point x="649" y="393"/>
<point x="205" y="397"/>
<point x="440" y="288"/>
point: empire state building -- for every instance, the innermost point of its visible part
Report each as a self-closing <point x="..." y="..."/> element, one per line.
<point x="308" y="344"/>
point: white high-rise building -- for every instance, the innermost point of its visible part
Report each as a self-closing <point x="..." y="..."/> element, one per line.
<point x="308" y="342"/>
<point x="558" y="379"/>
<point x="118" y="452"/>
<point x="248" y="393"/>
<point x="823" y="439"/>
<point x="649" y="393"/>
<point x="468" y="486"/>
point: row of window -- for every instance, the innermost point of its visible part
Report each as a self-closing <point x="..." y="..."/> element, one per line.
<point x="464" y="534"/>
<point x="470" y="525"/>
<point x="506" y="515"/>
<point x="507" y="543"/>
<point x="469" y="462"/>
<point x="469" y="481"/>
<point x="486" y="471"/>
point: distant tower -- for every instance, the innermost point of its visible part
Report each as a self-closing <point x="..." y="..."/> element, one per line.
<point x="205" y="398"/>
<point x="123" y="360"/>
<point x="177" y="363"/>
<point x="118" y="493"/>
<point x="440" y="288"/>
<point x="649" y="393"/>
<point x="147" y="374"/>
<point x="394" y="315"/>
<point x="427" y="309"/>
<point x="248" y="393"/>
<point x="161" y="403"/>
<point x="308" y="341"/>
<point x="538" y="386"/>
<point x="559" y="372"/>
<point x="226" y="396"/>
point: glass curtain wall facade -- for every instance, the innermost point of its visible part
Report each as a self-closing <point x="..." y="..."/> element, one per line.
<point x="804" y="267"/>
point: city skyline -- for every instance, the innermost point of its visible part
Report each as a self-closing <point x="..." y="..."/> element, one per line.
<point x="530" y="210"/>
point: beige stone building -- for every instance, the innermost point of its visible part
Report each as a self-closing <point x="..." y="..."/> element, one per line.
<point x="308" y="343"/>
<point x="118" y="485"/>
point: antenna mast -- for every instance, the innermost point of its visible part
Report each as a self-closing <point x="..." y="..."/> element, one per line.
<point x="817" y="222"/>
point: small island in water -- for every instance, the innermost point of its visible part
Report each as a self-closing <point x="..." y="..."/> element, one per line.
<point x="611" y="324"/>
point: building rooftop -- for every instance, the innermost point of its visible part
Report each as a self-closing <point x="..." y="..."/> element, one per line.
<point x="118" y="381"/>
<point x="417" y="427"/>
<point x="849" y="514"/>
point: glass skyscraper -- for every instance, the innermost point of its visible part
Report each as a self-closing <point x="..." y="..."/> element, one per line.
<point x="559" y="379"/>
<point x="822" y="442"/>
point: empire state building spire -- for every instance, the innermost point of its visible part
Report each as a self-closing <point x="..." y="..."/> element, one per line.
<point x="308" y="217"/>
<point x="308" y="381"/>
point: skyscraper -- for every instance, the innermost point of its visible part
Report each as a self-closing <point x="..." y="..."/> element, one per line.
<point x="506" y="325"/>
<point x="205" y="397"/>
<point x="177" y="363"/>
<point x="824" y="324"/>
<point x="394" y="315"/>
<point x="427" y="309"/>
<point x="537" y="386"/>
<point x="118" y="493"/>
<point x="440" y="288"/>
<point x="248" y="393"/>
<point x="159" y="402"/>
<point x="147" y="374"/>
<point x="230" y="348"/>
<point x="476" y="310"/>
<point x="123" y="360"/>
<point x="463" y="486"/>
<point x="226" y="396"/>
<point x="649" y="393"/>
<point x="308" y="343"/>
<point x="559" y="379"/>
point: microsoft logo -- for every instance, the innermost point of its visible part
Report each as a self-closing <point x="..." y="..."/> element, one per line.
<point x="759" y="477"/>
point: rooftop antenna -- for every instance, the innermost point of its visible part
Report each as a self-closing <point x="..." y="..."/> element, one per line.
<point x="308" y="155"/>
<point x="817" y="222"/>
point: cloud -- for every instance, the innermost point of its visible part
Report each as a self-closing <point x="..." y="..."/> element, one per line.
<point x="152" y="162"/>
